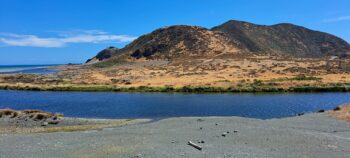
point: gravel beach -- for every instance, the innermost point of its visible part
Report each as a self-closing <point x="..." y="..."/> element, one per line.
<point x="312" y="135"/>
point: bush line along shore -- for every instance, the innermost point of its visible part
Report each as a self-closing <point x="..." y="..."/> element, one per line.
<point x="184" y="89"/>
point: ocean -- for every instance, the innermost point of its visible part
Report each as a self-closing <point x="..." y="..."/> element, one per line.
<point x="27" y="69"/>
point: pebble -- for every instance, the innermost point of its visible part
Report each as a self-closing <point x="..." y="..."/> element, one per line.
<point x="200" y="120"/>
<point x="138" y="156"/>
<point x="201" y="141"/>
<point x="44" y="124"/>
<point x="321" y="111"/>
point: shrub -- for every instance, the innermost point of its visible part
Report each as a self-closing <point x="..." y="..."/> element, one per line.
<point x="305" y="78"/>
<point x="258" y="82"/>
<point x="337" y="108"/>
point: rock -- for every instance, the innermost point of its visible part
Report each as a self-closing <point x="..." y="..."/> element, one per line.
<point x="53" y="122"/>
<point x="28" y="117"/>
<point x="200" y="120"/>
<point x="321" y="111"/>
<point x="137" y="156"/>
<point x="194" y="145"/>
<point x="9" y="113"/>
<point x="44" y="124"/>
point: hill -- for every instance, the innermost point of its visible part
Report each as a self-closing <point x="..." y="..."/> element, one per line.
<point x="175" y="42"/>
<point x="181" y="41"/>
<point x="233" y="57"/>
<point x="284" y="38"/>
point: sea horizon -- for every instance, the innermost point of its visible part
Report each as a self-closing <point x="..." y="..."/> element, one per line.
<point x="21" y="68"/>
<point x="12" y="65"/>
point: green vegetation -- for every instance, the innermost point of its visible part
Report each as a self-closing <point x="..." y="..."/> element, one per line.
<point x="297" y="78"/>
<point x="253" y="88"/>
<point x="337" y="108"/>
<point x="258" y="82"/>
<point x="305" y="78"/>
<point x="321" y="88"/>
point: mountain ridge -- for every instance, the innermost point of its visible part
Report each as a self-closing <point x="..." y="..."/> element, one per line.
<point x="185" y="41"/>
<point x="285" y="38"/>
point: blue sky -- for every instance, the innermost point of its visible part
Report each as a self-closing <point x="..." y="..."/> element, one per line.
<point x="71" y="31"/>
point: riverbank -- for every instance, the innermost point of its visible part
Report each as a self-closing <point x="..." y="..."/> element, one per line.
<point x="311" y="135"/>
<point x="36" y="121"/>
<point x="183" y="89"/>
<point x="251" y="74"/>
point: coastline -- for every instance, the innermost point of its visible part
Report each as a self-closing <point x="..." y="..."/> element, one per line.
<point x="29" y="69"/>
<point x="18" y="68"/>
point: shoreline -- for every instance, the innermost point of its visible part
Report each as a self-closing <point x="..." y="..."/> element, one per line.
<point x="17" y="69"/>
<point x="69" y="125"/>
<point x="37" y="121"/>
<point x="12" y="125"/>
<point x="169" y="89"/>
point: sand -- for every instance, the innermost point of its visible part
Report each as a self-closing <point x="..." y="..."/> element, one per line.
<point x="342" y="113"/>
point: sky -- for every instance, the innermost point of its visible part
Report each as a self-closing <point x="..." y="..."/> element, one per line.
<point x="71" y="31"/>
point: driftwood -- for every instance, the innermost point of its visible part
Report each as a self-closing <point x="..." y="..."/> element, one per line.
<point x="194" y="145"/>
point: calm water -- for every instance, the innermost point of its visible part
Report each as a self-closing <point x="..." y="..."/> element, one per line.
<point x="27" y="69"/>
<point x="158" y="105"/>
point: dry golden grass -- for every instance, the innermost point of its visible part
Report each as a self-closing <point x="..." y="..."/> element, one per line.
<point x="216" y="72"/>
<point x="342" y="114"/>
<point x="232" y="71"/>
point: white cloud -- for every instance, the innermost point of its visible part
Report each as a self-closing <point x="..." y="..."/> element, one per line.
<point x="63" y="38"/>
<point x="79" y="32"/>
<point x="337" y="19"/>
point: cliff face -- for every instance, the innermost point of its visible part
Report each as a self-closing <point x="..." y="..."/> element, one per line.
<point x="181" y="41"/>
